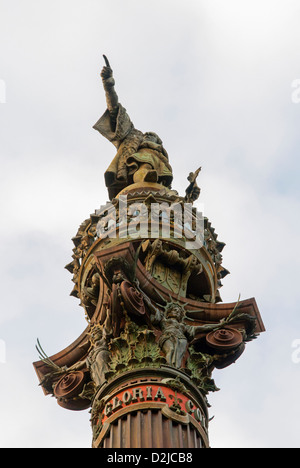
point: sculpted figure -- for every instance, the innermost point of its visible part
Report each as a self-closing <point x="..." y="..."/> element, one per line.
<point x="176" y="334"/>
<point x="140" y="156"/>
<point x="98" y="358"/>
<point x="193" y="191"/>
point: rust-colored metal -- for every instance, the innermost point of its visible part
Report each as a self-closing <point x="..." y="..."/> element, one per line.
<point x="133" y="299"/>
<point x="70" y="386"/>
<point x="224" y="339"/>
<point x="150" y="411"/>
<point x="151" y="430"/>
<point x="157" y="327"/>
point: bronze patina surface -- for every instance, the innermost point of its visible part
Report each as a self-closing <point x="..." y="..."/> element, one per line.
<point x="156" y="323"/>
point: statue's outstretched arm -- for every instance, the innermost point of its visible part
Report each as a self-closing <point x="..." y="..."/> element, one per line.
<point x="109" y="87"/>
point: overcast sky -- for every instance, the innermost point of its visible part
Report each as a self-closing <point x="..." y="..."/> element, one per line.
<point x="215" y="80"/>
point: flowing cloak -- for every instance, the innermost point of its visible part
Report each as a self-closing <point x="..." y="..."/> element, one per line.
<point x="133" y="148"/>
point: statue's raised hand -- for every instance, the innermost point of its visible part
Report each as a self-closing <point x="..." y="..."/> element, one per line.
<point x="107" y="75"/>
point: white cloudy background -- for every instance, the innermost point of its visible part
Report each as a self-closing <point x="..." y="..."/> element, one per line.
<point x="214" y="79"/>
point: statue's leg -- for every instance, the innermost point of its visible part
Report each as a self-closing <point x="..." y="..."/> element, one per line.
<point x="168" y="349"/>
<point x="151" y="176"/>
<point x="180" y="352"/>
<point x="145" y="173"/>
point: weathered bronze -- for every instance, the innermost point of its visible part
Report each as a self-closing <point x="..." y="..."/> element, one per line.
<point x="140" y="157"/>
<point x="156" y="324"/>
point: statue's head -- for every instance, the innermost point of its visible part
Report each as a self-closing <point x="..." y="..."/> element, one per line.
<point x="96" y="334"/>
<point x="174" y="310"/>
<point x="151" y="136"/>
<point x="118" y="277"/>
<point x="152" y="140"/>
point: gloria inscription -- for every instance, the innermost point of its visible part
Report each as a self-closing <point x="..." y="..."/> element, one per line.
<point x="176" y="401"/>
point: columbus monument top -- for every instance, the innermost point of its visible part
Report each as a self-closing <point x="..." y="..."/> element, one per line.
<point x="140" y="156"/>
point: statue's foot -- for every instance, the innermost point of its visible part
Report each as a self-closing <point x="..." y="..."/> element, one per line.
<point x="151" y="176"/>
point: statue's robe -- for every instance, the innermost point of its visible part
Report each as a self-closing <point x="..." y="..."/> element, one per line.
<point x="133" y="149"/>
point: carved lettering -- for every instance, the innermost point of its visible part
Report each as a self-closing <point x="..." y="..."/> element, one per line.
<point x="153" y="393"/>
<point x="127" y="398"/>
<point x="137" y="393"/>
<point x="108" y="409"/>
<point x="117" y="404"/>
<point x="160" y="395"/>
<point x="189" y="406"/>
<point x="196" y="412"/>
<point x="149" y="393"/>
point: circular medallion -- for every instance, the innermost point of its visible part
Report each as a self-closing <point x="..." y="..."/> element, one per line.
<point x="224" y="339"/>
<point x="133" y="299"/>
<point x="67" y="390"/>
<point x="69" y="385"/>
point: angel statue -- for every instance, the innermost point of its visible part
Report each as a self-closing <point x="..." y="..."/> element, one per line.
<point x="140" y="156"/>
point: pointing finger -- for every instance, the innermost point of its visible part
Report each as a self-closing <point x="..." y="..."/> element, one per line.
<point x="106" y="61"/>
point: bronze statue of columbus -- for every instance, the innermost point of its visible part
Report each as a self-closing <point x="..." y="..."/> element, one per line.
<point x="140" y="156"/>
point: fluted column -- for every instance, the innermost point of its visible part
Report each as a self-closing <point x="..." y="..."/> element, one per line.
<point x="150" y="408"/>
